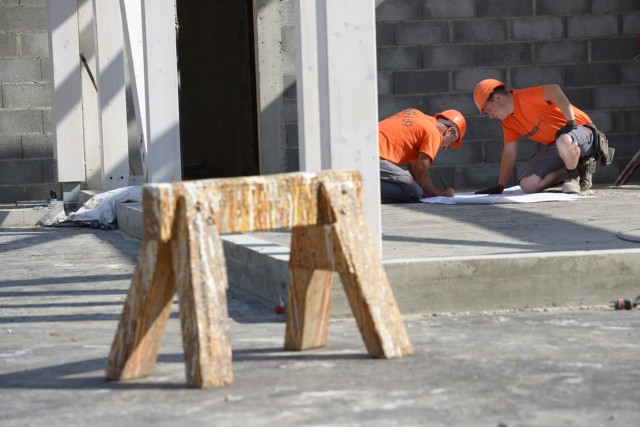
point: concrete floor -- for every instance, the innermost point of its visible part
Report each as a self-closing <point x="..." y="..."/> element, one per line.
<point x="61" y="295"/>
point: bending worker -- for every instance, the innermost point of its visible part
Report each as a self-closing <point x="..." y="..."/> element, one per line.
<point x="411" y="138"/>
<point x="543" y="114"/>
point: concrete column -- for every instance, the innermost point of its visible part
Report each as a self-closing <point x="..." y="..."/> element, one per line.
<point x="347" y="94"/>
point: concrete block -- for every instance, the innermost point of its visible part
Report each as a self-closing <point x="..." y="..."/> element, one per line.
<point x="580" y="97"/>
<point x="388" y="105"/>
<point x="469" y="153"/>
<point x="449" y="56"/>
<point x="398" y="10"/>
<point x="385" y="34"/>
<point x="20" y="121"/>
<point x="480" y="175"/>
<point x="564" y="7"/>
<point x="631" y="120"/>
<point x="37" y="145"/>
<point x="592" y="26"/>
<point x="501" y="8"/>
<point x="538" y="28"/>
<point x="451" y="9"/>
<point x="385" y="83"/>
<point x="592" y="74"/>
<point x="129" y="218"/>
<point x="19" y="96"/>
<point x="482" y="127"/>
<point x="21" y="171"/>
<point x="463" y="102"/>
<point x="614" y="49"/>
<point x="557" y="52"/>
<point x="607" y="6"/>
<point x="420" y="81"/>
<point x="480" y="30"/>
<point x="605" y="120"/>
<point x="467" y="79"/>
<point x="630" y="23"/>
<point x="19" y="19"/>
<point x="491" y="151"/>
<point x="45" y="66"/>
<point x="40" y="191"/>
<point x="49" y="168"/>
<point x="504" y="54"/>
<point x="422" y="33"/>
<point x="626" y="146"/>
<point x="290" y="111"/>
<point x="8" y="45"/>
<point x="291" y="131"/>
<point x="536" y="76"/>
<point x="12" y="193"/>
<point x="288" y="50"/>
<point x="17" y="70"/>
<point x="46" y="121"/>
<point x="616" y="97"/>
<point x="34" y="44"/>
<point x="399" y="58"/>
<point x="10" y="147"/>
<point x="292" y="157"/>
<point x="289" y="87"/>
<point x="8" y="3"/>
<point x="33" y="3"/>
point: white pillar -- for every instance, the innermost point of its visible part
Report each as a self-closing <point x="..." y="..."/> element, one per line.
<point x="347" y="94"/>
<point x="161" y="77"/>
<point x="112" y="109"/>
<point x="133" y="38"/>
<point x="66" y="99"/>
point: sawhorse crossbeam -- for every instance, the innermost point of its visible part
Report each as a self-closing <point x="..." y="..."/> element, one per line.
<point x="182" y="252"/>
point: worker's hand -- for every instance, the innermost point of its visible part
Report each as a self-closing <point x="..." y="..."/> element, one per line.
<point x="498" y="189"/>
<point x="571" y="125"/>
<point x="448" y="192"/>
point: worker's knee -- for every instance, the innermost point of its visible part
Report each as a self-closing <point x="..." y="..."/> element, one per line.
<point x="531" y="184"/>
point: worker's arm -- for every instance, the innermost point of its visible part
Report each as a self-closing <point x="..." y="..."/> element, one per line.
<point x="420" y="172"/>
<point x="507" y="161"/>
<point x="554" y="94"/>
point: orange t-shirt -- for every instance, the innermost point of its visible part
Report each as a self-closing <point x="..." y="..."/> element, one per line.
<point x="403" y="136"/>
<point x="536" y="118"/>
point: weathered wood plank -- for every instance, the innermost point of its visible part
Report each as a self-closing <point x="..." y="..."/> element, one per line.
<point x="201" y="280"/>
<point x="365" y="281"/>
<point x="144" y="317"/>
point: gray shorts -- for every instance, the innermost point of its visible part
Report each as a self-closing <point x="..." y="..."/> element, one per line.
<point x="548" y="160"/>
<point x="397" y="185"/>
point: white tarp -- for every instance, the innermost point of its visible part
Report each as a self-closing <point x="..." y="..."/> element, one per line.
<point x="102" y="207"/>
<point x="509" y="195"/>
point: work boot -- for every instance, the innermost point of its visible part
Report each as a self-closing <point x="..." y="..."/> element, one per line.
<point x="571" y="186"/>
<point x="586" y="169"/>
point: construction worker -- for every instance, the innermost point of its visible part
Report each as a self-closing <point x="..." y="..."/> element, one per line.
<point x="412" y="139"/>
<point x="545" y="115"/>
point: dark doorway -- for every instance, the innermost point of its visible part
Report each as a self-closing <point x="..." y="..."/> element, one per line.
<point x="217" y="88"/>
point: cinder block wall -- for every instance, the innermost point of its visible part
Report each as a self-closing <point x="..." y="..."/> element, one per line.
<point x="431" y="54"/>
<point x="26" y="147"/>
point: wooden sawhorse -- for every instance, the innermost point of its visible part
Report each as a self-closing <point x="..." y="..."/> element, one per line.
<point x="182" y="252"/>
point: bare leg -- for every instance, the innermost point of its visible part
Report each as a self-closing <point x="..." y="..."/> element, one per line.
<point x="569" y="151"/>
<point x="535" y="184"/>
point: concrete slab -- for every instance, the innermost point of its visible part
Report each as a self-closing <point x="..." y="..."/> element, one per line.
<point x="62" y="292"/>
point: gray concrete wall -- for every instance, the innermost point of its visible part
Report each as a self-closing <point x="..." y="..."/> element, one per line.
<point x="27" y="169"/>
<point x="432" y="53"/>
<point x="430" y="56"/>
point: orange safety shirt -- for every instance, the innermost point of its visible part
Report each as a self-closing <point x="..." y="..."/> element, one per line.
<point x="536" y="118"/>
<point x="403" y="136"/>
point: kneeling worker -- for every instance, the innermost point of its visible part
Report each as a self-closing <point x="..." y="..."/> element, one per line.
<point x="543" y="114"/>
<point x="413" y="138"/>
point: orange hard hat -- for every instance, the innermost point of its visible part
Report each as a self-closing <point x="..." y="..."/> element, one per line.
<point x="483" y="90"/>
<point x="457" y="119"/>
